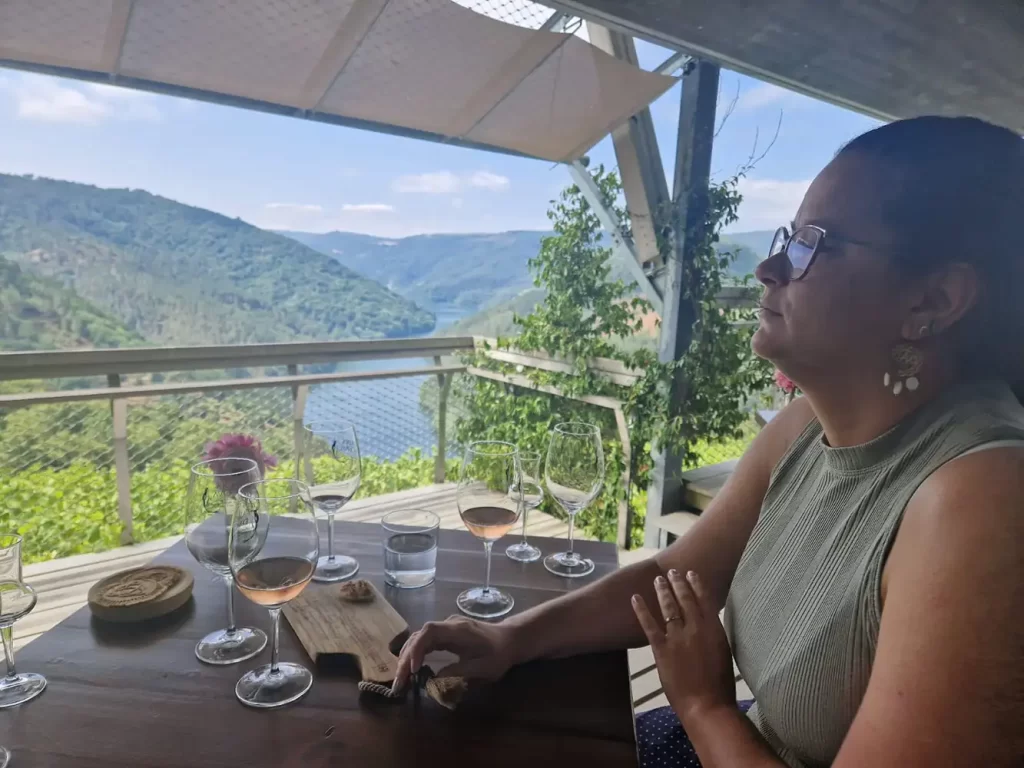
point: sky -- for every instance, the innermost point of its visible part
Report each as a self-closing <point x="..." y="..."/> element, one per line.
<point x="285" y="173"/>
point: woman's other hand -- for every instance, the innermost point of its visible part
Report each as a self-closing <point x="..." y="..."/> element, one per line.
<point x="690" y="647"/>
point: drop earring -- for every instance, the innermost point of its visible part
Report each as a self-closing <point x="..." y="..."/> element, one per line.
<point x="907" y="358"/>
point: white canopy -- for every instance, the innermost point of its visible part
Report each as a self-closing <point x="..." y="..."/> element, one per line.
<point x="429" y="68"/>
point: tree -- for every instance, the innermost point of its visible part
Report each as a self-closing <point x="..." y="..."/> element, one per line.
<point x="587" y="315"/>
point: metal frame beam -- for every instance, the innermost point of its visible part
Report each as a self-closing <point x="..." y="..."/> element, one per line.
<point x="621" y="247"/>
<point x="690" y="201"/>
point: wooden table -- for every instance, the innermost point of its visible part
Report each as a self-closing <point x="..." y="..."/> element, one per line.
<point x="137" y="697"/>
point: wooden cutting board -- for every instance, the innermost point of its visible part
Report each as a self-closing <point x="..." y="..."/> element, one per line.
<point x="326" y="623"/>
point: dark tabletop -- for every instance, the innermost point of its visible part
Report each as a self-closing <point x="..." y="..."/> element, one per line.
<point x="137" y="696"/>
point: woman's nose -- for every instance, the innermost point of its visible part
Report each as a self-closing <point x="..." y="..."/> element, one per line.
<point x="773" y="271"/>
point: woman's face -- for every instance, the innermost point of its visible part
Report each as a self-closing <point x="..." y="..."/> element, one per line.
<point x="843" y="316"/>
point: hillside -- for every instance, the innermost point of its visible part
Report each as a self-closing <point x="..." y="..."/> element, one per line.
<point x="468" y="270"/>
<point x="175" y="274"/>
<point x="471" y="271"/>
<point x="37" y="313"/>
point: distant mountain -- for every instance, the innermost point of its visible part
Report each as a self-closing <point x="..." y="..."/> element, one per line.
<point x="471" y="271"/>
<point x="37" y="313"/>
<point x="751" y="249"/>
<point x="176" y="274"/>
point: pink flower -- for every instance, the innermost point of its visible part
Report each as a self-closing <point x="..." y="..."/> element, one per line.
<point x="240" y="447"/>
<point x="785" y="383"/>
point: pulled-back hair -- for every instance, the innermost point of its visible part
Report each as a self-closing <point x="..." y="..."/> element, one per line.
<point x="954" y="192"/>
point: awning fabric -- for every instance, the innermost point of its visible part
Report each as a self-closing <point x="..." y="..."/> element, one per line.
<point x="428" y="66"/>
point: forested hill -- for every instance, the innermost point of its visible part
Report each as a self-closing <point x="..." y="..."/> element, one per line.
<point x="38" y="313"/>
<point x="175" y="274"/>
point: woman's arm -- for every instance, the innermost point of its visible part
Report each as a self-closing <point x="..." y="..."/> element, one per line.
<point x="947" y="685"/>
<point x="599" y="617"/>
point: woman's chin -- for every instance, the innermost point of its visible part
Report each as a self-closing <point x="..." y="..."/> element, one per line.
<point x="764" y="344"/>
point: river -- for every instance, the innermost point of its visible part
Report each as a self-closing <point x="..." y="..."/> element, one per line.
<point x="386" y="412"/>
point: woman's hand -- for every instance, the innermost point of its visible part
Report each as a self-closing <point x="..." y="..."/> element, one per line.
<point x="690" y="647"/>
<point x="484" y="650"/>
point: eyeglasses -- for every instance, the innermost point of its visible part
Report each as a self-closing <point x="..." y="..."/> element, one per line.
<point x="800" y="248"/>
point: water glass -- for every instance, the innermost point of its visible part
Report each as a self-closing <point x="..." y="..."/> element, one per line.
<point x="17" y="599"/>
<point x="410" y="548"/>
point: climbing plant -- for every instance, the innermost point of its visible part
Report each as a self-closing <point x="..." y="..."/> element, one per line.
<point x="586" y="314"/>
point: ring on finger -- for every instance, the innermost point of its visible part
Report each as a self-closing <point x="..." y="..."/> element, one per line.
<point x="673" y="618"/>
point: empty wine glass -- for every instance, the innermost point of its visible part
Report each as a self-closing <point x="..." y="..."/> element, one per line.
<point x="332" y="469"/>
<point x="16" y="600"/>
<point x="490" y="500"/>
<point x="210" y="504"/>
<point x="533" y="495"/>
<point x="274" y="549"/>
<point x="574" y="474"/>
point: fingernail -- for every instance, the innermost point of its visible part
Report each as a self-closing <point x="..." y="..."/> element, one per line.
<point x="691" y="576"/>
<point x="673" y="573"/>
<point x="660" y="580"/>
<point x="634" y="599"/>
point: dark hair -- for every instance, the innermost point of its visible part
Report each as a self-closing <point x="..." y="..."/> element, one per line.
<point x="954" y="191"/>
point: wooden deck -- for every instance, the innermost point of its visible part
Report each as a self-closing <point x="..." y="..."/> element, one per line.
<point x="63" y="584"/>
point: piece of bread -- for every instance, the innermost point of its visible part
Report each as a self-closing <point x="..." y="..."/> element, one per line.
<point x="359" y="591"/>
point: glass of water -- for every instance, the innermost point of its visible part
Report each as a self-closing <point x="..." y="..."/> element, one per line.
<point x="410" y="548"/>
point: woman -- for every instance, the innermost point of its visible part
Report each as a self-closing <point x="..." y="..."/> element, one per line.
<point x="869" y="548"/>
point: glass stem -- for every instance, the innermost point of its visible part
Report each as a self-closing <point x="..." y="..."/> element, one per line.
<point x="572" y="521"/>
<point x="526" y="511"/>
<point x="487" y="581"/>
<point x="8" y="633"/>
<point x="275" y="615"/>
<point x="231" y="605"/>
<point x="330" y="535"/>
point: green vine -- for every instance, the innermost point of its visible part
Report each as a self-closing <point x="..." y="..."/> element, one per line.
<point x="585" y="315"/>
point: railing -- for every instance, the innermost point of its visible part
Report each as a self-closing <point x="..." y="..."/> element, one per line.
<point x="150" y="418"/>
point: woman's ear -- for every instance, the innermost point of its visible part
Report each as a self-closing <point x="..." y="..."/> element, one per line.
<point x="947" y="296"/>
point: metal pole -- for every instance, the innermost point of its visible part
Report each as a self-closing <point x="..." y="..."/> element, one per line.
<point x="444" y="383"/>
<point x="689" y="203"/>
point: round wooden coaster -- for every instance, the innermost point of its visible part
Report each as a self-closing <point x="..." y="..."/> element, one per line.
<point x="140" y="593"/>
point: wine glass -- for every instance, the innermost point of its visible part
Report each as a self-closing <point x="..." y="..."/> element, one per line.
<point x="210" y="504"/>
<point x="332" y="469"/>
<point x="16" y="600"/>
<point x="574" y="474"/>
<point x="274" y="549"/>
<point x="533" y="495"/>
<point x="490" y="500"/>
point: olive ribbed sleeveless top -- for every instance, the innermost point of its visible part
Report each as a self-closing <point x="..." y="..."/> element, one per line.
<point x="804" y="608"/>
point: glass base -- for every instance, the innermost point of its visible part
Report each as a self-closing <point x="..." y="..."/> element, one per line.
<point x="23" y="687"/>
<point x="523" y="552"/>
<point x="335" y="568"/>
<point x="569" y="564"/>
<point x="223" y="647"/>
<point x="265" y="689"/>
<point x="5" y="757"/>
<point x="483" y="603"/>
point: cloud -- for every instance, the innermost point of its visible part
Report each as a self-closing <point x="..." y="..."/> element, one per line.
<point x="295" y="207"/>
<point x="52" y="100"/>
<point x="488" y="180"/>
<point x="438" y="183"/>
<point x="768" y="203"/>
<point x="367" y="208"/>
<point x="446" y="182"/>
<point x="457" y="202"/>
<point x="765" y="95"/>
